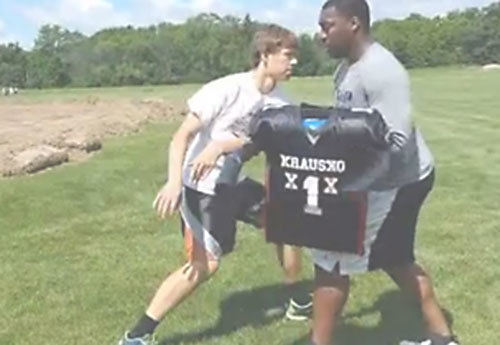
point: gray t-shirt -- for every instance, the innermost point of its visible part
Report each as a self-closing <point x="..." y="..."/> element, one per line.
<point x="379" y="81"/>
<point x="225" y="107"/>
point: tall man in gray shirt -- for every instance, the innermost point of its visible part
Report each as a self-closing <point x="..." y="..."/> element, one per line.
<point x="371" y="77"/>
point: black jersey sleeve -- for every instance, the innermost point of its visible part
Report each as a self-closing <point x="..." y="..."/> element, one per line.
<point x="248" y="151"/>
<point x="365" y="128"/>
<point x="269" y="121"/>
<point x="260" y="130"/>
<point x="359" y="127"/>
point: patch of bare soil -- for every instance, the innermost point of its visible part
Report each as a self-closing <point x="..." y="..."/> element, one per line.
<point x="34" y="137"/>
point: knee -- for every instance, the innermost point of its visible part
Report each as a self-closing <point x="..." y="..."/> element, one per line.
<point x="290" y="259"/>
<point x="424" y="289"/>
<point x="292" y="268"/>
<point x="213" y="266"/>
<point x="414" y="281"/>
<point x="324" y="279"/>
<point x="198" y="272"/>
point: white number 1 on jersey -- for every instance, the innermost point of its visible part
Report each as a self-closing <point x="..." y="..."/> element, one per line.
<point x="311" y="185"/>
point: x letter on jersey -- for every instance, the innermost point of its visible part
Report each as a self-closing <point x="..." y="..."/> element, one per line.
<point x="331" y="188"/>
<point x="291" y="178"/>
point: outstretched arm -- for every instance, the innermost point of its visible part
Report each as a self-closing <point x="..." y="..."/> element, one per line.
<point x="167" y="200"/>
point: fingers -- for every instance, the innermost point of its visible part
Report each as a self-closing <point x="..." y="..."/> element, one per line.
<point x="166" y="204"/>
<point x="165" y="208"/>
<point x="173" y="205"/>
<point x="397" y="139"/>
<point x="157" y="201"/>
<point x="195" y="171"/>
<point x="200" y="170"/>
<point x="162" y="207"/>
<point x="206" y="171"/>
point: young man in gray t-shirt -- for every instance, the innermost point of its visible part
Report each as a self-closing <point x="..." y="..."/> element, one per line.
<point x="371" y="77"/>
<point x="200" y="171"/>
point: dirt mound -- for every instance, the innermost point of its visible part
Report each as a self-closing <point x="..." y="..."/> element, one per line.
<point x="36" y="159"/>
<point x="36" y="136"/>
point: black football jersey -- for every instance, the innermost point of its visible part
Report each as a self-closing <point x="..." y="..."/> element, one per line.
<point x="317" y="177"/>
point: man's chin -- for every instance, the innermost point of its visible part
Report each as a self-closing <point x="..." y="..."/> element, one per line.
<point x="335" y="54"/>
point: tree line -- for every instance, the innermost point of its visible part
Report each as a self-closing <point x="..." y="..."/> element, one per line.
<point x="208" y="46"/>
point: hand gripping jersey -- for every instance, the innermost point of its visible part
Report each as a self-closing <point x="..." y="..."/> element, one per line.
<point x="318" y="174"/>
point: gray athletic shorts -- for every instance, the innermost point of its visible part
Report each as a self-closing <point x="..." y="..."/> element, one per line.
<point x="391" y="224"/>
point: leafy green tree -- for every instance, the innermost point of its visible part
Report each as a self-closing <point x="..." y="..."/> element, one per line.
<point x="208" y="46"/>
<point x="12" y="65"/>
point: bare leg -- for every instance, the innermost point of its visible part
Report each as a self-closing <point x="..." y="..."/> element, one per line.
<point x="180" y="284"/>
<point x="290" y="259"/>
<point x="330" y="295"/>
<point x="413" y="280"/>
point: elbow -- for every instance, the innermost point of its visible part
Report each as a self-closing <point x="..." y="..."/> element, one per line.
<point x="180" y="138"/>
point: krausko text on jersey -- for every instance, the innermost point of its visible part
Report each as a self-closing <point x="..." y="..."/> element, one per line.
<point x="313" y="164"/>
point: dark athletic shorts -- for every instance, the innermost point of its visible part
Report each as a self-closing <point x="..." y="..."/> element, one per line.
<point x="212" y="218"/>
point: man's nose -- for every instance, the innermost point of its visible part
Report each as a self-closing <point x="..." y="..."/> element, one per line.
<point x="322" y="36"/>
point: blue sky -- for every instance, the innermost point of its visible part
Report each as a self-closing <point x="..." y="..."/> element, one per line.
<point x="21" y="19"/>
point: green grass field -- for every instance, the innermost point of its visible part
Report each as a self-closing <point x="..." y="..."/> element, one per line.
<point x="82" y="252"/>
<point x="169" y="92"/>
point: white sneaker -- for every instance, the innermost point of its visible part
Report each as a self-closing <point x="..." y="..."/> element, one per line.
<point x="426" y="342"/>
<point x="408" y="342"/>
<point x="297" y="312"/>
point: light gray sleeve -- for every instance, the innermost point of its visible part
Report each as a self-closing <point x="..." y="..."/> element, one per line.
<point x="388" y="91"/>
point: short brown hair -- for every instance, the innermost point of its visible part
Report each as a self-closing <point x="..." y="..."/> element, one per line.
<point x="269" y="39"/>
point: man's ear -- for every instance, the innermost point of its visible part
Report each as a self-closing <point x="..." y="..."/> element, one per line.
<point x="355" y="24"/>
<point x="264" y="57"/>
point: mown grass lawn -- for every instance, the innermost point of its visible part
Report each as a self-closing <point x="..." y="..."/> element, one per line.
<point x="81" y="251"/>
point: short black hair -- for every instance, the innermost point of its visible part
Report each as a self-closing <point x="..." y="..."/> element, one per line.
<point x="353" y="8"/>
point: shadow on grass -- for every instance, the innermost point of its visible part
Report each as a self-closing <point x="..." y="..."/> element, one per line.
<point x="400" y="319"/>
<point x="241" y="309"/>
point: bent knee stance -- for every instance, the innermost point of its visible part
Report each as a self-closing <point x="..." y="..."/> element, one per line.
<point x="424" y="289"/>
<point x="196" y="271"/>
<point x="414" y="281"/>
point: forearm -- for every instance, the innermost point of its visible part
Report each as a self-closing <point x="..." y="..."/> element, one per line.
<point x="177" y="152"/>
<point x="227" y="145"/>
